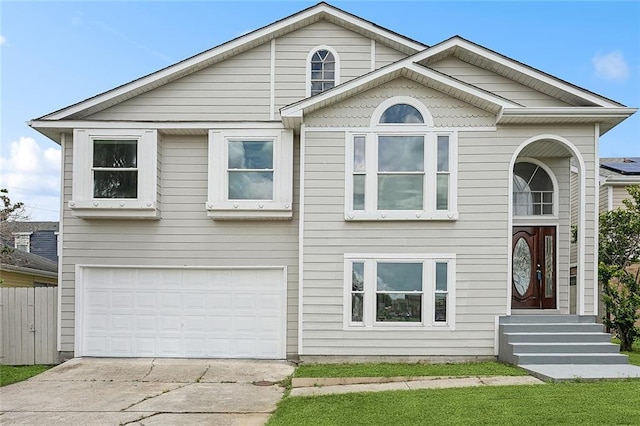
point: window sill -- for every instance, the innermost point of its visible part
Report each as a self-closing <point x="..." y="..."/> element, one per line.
<point x="399" y="327"/>
<point x="400" y="215"/>
<point x="249" y="210"/>
<point x="114" y="209"/>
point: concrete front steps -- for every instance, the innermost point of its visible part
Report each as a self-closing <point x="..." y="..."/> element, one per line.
<point x="556" y="339"/>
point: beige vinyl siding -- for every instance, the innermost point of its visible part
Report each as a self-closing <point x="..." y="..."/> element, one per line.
<point x="603" y="200"/>
<point x="357" y="111"/>
<point x="480" y="239"/>
<point x="235" y="89"/>
<point x="292" y="50"/>
<point x="386" y="55"/>
<point x="495" y="83"/>
<point x="184" y="236"/>
<point x="620" y="193"/>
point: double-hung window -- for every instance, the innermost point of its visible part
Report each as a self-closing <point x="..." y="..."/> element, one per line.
<point x="115" y="174"/>
<point x="22" y="241"/>
<point x="250" y="174"/>
<point x="402" y="169"/>
<point x="399" y="290"/>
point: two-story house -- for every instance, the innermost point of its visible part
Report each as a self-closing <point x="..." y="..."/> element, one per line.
<point x="325" y="187"/>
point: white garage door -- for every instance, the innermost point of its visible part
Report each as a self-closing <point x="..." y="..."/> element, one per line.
<point x="195" y="313"/>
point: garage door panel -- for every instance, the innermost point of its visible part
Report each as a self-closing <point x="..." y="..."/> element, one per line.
<point x="183" y="312"/>
<point x="146" y="299"/>
<point x="145" y="346"/>
<point x="98" y="322"/>
<point x="121" y="323"/>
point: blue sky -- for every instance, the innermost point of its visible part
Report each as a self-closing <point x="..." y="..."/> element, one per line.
<point x="54" y="54"/>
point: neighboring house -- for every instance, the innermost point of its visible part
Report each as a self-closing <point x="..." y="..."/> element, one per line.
<point x="22" y="269"/>
<point x="615" y="175"/>
<point x="39" y="238"/>
<point x="323" y="186"/>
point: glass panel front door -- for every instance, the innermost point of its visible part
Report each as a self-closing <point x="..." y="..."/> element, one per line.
<point x="533" y="268"/>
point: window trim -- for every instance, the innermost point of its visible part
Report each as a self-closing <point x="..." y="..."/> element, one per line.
<point x="312" y="52"/>
<point x="82" y="202"/>
<point x="429" y="211"/>
<point x="428" y="291"/>
<point x="218" y="205"/>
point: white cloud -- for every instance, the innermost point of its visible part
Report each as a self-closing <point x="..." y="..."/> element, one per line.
<point x="611" y="66"/>
<point x="3" y="40"/>
<point x="32" y="175"/>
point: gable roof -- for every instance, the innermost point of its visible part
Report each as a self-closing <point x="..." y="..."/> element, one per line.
<point x="403" y="68"/>
<point x="34" y="226"/>
<point x="320" y="11"/>
<point x="512" y="69"/>
<point x="589" y="107"/>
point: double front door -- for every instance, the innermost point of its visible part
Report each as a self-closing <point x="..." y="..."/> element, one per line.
<point x="534" y="268"/>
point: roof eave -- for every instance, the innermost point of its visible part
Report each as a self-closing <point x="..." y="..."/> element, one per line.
<point x="621" y="180"/>
<point x="606" y="117"/>
<point x="30" y="271"/>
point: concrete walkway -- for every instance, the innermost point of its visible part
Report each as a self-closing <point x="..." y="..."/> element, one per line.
<point x="95" y="391"/>
<point x="309" y="387"/>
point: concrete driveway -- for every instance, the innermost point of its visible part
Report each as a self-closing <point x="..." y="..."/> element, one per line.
<point x="101" y="391"/>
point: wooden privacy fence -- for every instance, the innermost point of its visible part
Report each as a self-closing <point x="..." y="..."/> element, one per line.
<point x="29" y="318"/>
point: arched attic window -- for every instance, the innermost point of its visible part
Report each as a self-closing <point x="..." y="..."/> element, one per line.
<point x="532" y="190"/>
<point x="401" y="114"/>
<point x="323" y="70"/>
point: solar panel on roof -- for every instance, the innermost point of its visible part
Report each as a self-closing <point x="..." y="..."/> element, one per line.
<point x="631" y="167"/>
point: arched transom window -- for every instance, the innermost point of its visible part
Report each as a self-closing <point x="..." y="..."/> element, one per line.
<point x="323" y="71"/>
<point x="401" y="114"/>
<point x="532" y="190"/>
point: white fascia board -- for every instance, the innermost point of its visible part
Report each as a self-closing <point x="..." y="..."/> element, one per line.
<point x="80" y="124"/>
<point x="596" y="113"/>
<point x="195" y="62"/>
<point x="296" y="109"/>
<point x="510" y="63"/>
<point x="621" y="180"/>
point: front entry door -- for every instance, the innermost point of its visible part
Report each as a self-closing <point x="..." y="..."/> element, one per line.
<point x="534" y="268"/>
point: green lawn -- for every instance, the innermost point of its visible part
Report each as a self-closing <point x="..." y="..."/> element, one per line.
<point x="488" y="368"/>
<point x="9" y="374"/>
<point x="592" y="403"/>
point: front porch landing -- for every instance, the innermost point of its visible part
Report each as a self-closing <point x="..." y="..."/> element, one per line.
<point x="563" y="372"/>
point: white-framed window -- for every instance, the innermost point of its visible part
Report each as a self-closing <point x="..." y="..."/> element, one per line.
<point x="396" y="290"/>
<point x="402" y="169"/>
<point x="22" y="241"/>
<point x="115" y="173"/>
<point x="250" y="174"/>
<point x="323" y="70"/>
<point x="534" y="192"/>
